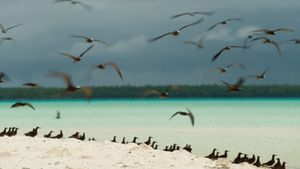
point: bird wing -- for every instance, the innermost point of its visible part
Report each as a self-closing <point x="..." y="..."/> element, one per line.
<point x="277" y="47"/>
<point x="161" y="36"/>
<point x="64" y="76"/>
<point x="204" y="13"/>
<point x="192" y="118"/>
<point x="234" y="19"/>
<point x="2" y="27"/>
<point x="15" y="105"/>
<point x="116" y="68"/>
<point x="240" y="82"/>
<point x="89" y="48"/>
<point x="218" y="54"/>
<point x="62" y="0"/>
<point x="178" y="15"/>
<point x="213" y="26"/>
<point x="14" y="26"/>
<point x="190" y="42"/>
<point x="228" y="66"/>
<point x="79" y="36"/>
<point x="265" y="71"/>
<point x="194" y="23"/>
<point x="259" y="38"/>
<point x="227" y="84"/>
<point x="174" y="115"/>
<point x="86" y="6"/>
<point x="107" y="44"/>
<point x="151" y="92"/>
<point x="262" y="30"/>
<point x="88" y="92"/>
<point x="68" y="55"/>
<point x="284" y="29"/>
<point x="29" y="105"/>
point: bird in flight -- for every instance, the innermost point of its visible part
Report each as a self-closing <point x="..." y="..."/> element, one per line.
<point x="198" y="44"/>
<point x="273" y="32"/>
<point x="224" y="22"/>
<point x="296" y="41"/>
<point x="70" y="86"/>
<point x="5" y="30"/>
<point x="176" y="32"/>
<point x="30" y="84"/>
<point x="113" y="65"/>
<point x="260" y="76"/>
<point x="2" y="39"/>
<point x="22" y="104"/>
<point x="236" y="86"/>
<point x="90" y="39"/>
<point x="3" y="77"/>
<point x="192" y="14"/>
<point x="160" y="93"/>
<point x="268" y="41"/>
<point x="74" y="2"/>
<point x="77" y="58"/>
<point x="224" y="49"/>
<point x="226" y="68"/>
<point x="188" y="113"/>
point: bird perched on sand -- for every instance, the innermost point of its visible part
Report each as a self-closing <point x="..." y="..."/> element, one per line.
<point x="70" y="86"/>
<point x="31" y="84"/>
<point x="90" y="39"/>
<point x="271" y="162"/>
<point x="192" y="14"/>
<point x="113" y="65"/>
<point x="189" y="113"/>
<point x="33" y="132"/>
<point x="273" y="32"/>
<point x="224" y="22"/>
<point x="225" y="155"/>
<point x="236" y="86"/>
<point x="75" y="135"/>
<point x="59" y="136"/>
<point x="226" y="48"/>
<point x="5" y="30"/>
<point x="3" y="77"/>
<point x="22" y="104"/>
<point x="48" y="135"/>
<point x="226" y="68"/>
<point x="176" y="32"/>
<point x="74" y="2"/>
<point x="260" y="76"/>
<point x="212" y="154"/>
<point x="268" y="41"/>
<point x="77" y="58"/>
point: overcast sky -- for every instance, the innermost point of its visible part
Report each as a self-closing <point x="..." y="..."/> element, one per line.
<point x="128" y="24"/>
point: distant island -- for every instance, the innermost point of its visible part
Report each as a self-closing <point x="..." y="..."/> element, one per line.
<point x="183" y="91"/>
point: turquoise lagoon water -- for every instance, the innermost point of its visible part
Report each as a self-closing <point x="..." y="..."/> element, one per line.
<point x="253" y="126"/>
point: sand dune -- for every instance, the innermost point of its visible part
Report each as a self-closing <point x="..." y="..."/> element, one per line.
<point x="24" y="153"/>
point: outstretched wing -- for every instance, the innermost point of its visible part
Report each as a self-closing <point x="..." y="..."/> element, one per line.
<point x="64" y="76"/>
<point x="194" y="23"/>
<point x="116" y="68"/>
<point x="68" y="55"/>
<point x="14" y="26"/>
<point x="85" y="6"/>
<point x="277" y="47"/>
<point x="265" y="71"/>
<point x="227" y="84"/>
<point x="284" y="29"/>
<point x="79" y="36"/>
<point x="191" y="116"/>
<point x="29" y="105"/>
<point x="84" y="52"/>
<point x="88" y="92"/>
<point x="107" y="44"/>
<point x="174" y="115"/>
<point x="240" y="82"/>
<point x="152" y="92"/>
<point x="159" y="37"/>
<point x="2" y="28"/>
<point x="218" y="54"/>
<point x="178" y="15"/>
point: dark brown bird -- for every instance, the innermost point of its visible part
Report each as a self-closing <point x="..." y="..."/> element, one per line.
<point x="3" y="133"/>
<point x="161" y="93"/>
<point x="212" y="154"/>
<point x="235" y="87"/>
<point x="4" y="30"/>
<point x="76" y="135"/>
<point x="59" y="136"/>
<point x="224" y="155"/>
<point x="257" y="163"/>
<point x="148" y="142"/>
<point x="238" y="159"/>
<point x="3" y="77"/>
<point x="70" y="86"/>
<point x="74" y="2"/>
<point x="30" y="84"/>
<point x="48" y="135"/>
<point x="273" y="32"/>
<point x="90" y="39"/>
<point x="32" y="133"/>
<point x="192" y="14"/>
<point x="176" y="32"/>
<point x="82" y="137"/>
<point x="283" y="165"/>
<point x="113" y="65"/>
<point x="260" y="76"/>
<point x="271" y="162"/>
<point x="252" y="159"/>
<point x="77" y="58"/>
<point x="224" y="49"/>
<point x="245" y="158"/>
<point x="224" y="22"/>
<point x="10" y="131"/>
<point x="268" y="41"/>
<point x="277" y="165"/>
<point x="134" y="139"/>
<point x="22" y="104"/>
<point x="189" y="113"/>
<point x="14" y="131"/>
<point x="123" y="141"/>
<point x="114" y="140"/>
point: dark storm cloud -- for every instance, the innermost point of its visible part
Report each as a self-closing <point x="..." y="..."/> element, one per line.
<point x="128" y="24"/>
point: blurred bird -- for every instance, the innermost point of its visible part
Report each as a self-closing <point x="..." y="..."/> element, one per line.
<point x="198" y="44"/>
<point x="77" y="58"/>
<point x="113" y="65"/>
<point x="21" y="104"/>
<point x="30" y="84"/>
<point x="3" y="77"/>
<point x="260" y="76"/>
<point x="160" y="93"/>
<point x="226" y="68"/>
<point x="296" y="41"/>
<point x="235" y="87"/>
<point x="192" y="14"/>
<point x="70" y="87"/>
<point x="48" y="135"/>
<point x="2" y="39"/>
<point x="90" y="39"/>
<point x="76" y="135"/>
<point x="4" y="30"/>
<point x="176" y="32"/>
<point x="268" y="41"/>
<point x="224" y="22"/>
<point x="3" y="133"/>
<point x="189" y="113"/>
<point x="224" y="49"/>
<point x="273" y="32"/>
<point x="57" y="115"/>
<point x="58" y="136"/>
<point x="73" y="2"/>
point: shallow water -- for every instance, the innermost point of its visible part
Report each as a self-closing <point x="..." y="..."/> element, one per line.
<point x="259" y="126"/>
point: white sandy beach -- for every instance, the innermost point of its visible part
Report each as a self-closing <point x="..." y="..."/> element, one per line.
<point x="24" y="153"/>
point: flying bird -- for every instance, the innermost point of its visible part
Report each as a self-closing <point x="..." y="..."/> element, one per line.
<point x="77" y="58"/>
<point x="30" y="84"/>
<point x="198" y="44"/>
<point x="176" y="32"/>
<point x="296" y="41"/>
<point x="236" y="86"/>
<point x="161" y="93"/>
<point x="70" y="86"/>
<point x="224" y="49"/>
<point x="260" y="76"/>
<point x="268" y="41"/>
<point x="74" y="2"/>
<point x="5" y="30"/>
<point x="224" y="22"/>
<point x="189" y="113"/>
<point x="3" y="77"/>
<point x="113" y="65"/>
<point x="2" y="39"/>
<point x="90" y="39"/>
<point x="192" y="14"/>
<point x="22" y="104"/>
<point x="273" y="32"/>
<point x="226" y="68"/>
